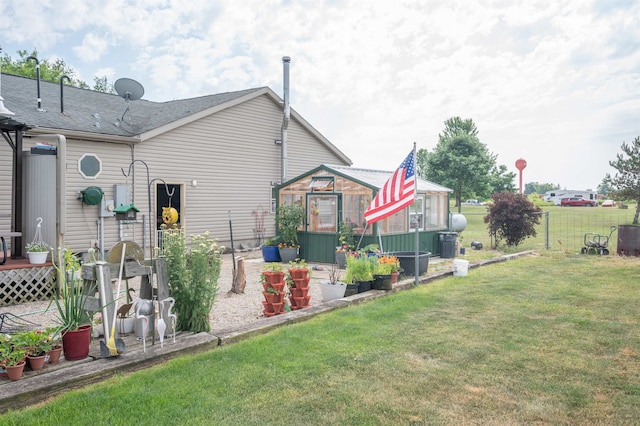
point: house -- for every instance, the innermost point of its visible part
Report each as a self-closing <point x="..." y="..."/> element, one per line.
<point x="215" y="159"/>
<point x="332" y="194"/>
<point x="72" y="156"/>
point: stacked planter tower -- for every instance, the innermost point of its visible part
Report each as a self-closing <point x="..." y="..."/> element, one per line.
<point x="299" y="288"/>
<point x="274" y="292"/>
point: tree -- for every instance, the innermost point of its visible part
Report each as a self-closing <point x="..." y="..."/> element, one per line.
<point x="539" y="188"/>
<point x="461" y="162"/>
<point x="501" y="180"/>
<point x="625" y="185"/>
<point x="50" y="71"/>
<point x="512" y="217"/>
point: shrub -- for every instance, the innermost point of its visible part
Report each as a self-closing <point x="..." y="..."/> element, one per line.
<point x="512" y="217"/>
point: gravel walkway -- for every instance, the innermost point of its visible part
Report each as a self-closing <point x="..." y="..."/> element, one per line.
<point x="230" y="310"/>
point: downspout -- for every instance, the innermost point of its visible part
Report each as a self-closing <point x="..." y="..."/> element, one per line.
<point x="285" y="121"/>
<point x="38" y="81"/>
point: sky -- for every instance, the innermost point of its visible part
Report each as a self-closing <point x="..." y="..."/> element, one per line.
<point x="556" y="83"/>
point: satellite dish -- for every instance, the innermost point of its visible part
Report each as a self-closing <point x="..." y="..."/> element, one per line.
<point x="129" y="89"/>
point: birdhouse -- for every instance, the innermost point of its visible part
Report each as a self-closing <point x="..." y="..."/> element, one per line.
<point x="126" y="212"/>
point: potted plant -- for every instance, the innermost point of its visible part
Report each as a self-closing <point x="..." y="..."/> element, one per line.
<point x="394" y="262"/>
<point x="270" y="251"/>
<point x="12" y="357"/>
<point x="298" y="278"/>
<point x="289" y="219"/>
<point x="36" y="344"/>
<point x="382" y="274"/>
<point x="55" y="337"/>
<point x="345" y="238"/>
<point x="73" y="319"/>
<point x="37" y="252"/>
<point x="359" y="271"/>
<point x="332" y="288"/>
<point x="273" y="283"/>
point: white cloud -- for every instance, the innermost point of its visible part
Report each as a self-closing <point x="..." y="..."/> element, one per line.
<point x="542" y="80"/>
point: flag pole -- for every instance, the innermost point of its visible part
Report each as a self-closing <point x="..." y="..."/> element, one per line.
<point x="416" y="261"/>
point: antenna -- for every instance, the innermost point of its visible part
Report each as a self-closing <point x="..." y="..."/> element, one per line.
<point x="130" y="90"/>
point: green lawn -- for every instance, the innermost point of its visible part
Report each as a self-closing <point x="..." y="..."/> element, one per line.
<point x="545" y="339"/>
<point x="567" y="227"/>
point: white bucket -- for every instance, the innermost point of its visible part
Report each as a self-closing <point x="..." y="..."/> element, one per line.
<point x="460" y="267"/>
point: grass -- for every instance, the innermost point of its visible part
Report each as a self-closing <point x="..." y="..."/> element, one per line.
<point x="550" y="339"/>
<point x="567" y="227"/>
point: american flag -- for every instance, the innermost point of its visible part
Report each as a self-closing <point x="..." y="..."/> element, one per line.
<point x="396" y="194"/>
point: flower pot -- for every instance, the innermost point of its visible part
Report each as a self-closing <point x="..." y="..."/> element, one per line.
<point x="273" y="277"/>
<point x="363" y="286"/>
<point x="298" y="274"/>
<point x="279" y="287"/>
<point x="298" y="292"/>
<point x="36" y="362"/>
<point x="332" y="291"/>
<point x="394" y="277"/>
<point x="53" y="356"/>
<point x="341" y="259"/>
<point x="351" y="290"/>
<point x="382" y="282"/>
<point x="37" y="257"/>
<point x="270" y="254"/>
<point x="301" y="282"/>
<point x="288" y="254"/>
<point x="75" y="343"/>
<point x="14" y="372"/>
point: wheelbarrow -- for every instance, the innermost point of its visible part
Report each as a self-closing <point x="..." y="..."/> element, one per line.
<point x="597" y="243"/>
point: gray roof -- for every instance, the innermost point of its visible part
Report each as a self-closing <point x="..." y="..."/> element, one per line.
<point x="96" y="112"/>
<point x="377" y="178"/>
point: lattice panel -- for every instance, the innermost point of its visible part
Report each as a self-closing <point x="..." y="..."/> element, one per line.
<point x="26" y="285"/>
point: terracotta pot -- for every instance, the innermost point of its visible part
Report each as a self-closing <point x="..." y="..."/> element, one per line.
<point x="299" y="292"/>
<point x="273" y="277"/>
<point x="15" y="371"/>
<point x="301" y="283"/>
<point x="36" y="362"/>
<point x="297" y="274"/>
<point x="394" y="277"/>
<point x="75" y="343"/>
<point x="279" y="287"/>
<point x="53" y="355"/>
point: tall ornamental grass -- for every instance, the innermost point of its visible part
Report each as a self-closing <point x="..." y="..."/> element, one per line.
<point x="193" y="277"/>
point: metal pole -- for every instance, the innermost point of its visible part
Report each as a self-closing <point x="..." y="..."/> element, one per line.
<point x="547" y="230"/>
<point x="233" y="251"/>
<point x="416" y="263"/>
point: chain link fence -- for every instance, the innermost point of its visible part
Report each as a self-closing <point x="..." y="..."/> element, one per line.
<point x="560" y="228"/>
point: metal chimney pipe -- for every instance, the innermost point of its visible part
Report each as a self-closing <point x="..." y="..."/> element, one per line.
<point x="285" y="121"/>
<point x="29" y="58"/>
<point x="64" y="77"/>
